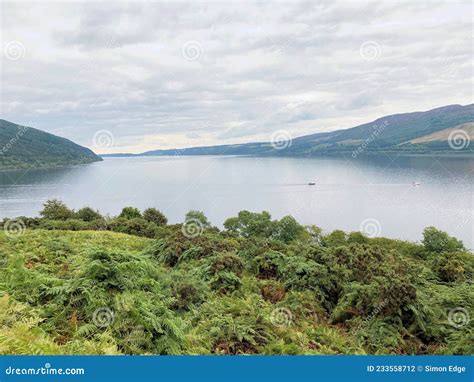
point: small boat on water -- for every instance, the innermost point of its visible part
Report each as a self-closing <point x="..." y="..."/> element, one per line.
<point x="311" y="183"/>
<point x="416" y="184"/>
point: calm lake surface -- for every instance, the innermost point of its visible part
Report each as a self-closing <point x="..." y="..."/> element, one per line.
<point x="375" y="195"/>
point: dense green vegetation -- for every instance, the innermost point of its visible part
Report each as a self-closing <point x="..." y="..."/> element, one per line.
<point x="25" y="147"/>
<point x="75" y="282"/>
<point x="390" y="134"/>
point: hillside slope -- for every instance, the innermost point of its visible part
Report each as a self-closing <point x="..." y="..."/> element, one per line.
<point x="26" y="147"/>
<point x="444" y="135"/>
<point x="262" y="286"/>
<point x="389" y="133"/>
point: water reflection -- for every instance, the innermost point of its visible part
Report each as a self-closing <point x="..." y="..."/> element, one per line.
<point x="346" y="191"/>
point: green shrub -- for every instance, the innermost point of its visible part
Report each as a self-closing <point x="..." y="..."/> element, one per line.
<point x="453" y="267"/>
<point x="56" y="210"/>
<point x="357" y="238"/>
<point x="188" y="291"/>
<point x="134" y="226"/>
<point x="287" y="229"/>
<point x="255" y="288"/>
<point x="130" y="213"/>
<point x="336" y="238"/>
<point x="153" y="215"/>
<point x="197" y="216"/>
<point x="438" y="241"/>
<point x="69" y="224"/>
<point x="228" y="262"/>
<point x="225" y="282"/>
<point x="272" y="291"/>
<point x="269" y="264"/>
<point x="233" y="325"/>
<point x="253" y="224"/>
<point x="87" y="214"/>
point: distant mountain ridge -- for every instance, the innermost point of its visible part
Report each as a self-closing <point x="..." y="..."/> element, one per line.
<point x="393" y="133"/>
<point x="24" y="147"/>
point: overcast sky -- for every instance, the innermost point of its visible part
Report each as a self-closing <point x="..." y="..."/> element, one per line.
<point x="166" y="75"/>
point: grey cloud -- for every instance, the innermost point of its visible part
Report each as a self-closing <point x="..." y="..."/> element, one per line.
<point x="259" y="67"/>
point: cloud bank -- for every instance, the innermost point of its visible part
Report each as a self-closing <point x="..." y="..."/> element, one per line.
<point x="167" y="75"/>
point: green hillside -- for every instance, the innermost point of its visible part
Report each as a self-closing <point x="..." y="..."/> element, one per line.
<point x="26" y="147"/>
<point x="389" y="134"/>
<point x="132" y="284"/>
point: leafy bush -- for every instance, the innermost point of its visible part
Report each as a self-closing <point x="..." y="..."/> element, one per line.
<point x="152" y="215"/>
<point x="130" y="213"/>
<point x="336" y="238"/>
<point x="269" y="264"/>
<point x="232" y="325"/>
<point x="197" y="216"/>
<point x="453" y="267"/>
<point x="288" y="229"/>
<point x="225" y="282"/>
<point x="228" y="262"/>
<point x="438" y="241"/>
<point x="272" y="291"/>
<point x="56" y="210"/>
<point x="260" y="287"/>
<point x="249" y="224"/>
<point x="357" y="238"/>
<point x="87" y="214"/>
<point x="188" y="291"/>
<point x="69" y="225"/>
<point x="133" y="226"/>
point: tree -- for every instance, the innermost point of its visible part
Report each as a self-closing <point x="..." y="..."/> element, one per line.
<point x="194" y="215"/>
<point x="288" y="229"/>
<point x="153" y="215"/>
<point x="335" y="239"/>
<point x="439" y="241"/>
<point x="130" y="213"/>
<point x="56" y="210"/>
<point x="315" y="233"/>
<point x="87" y="214"/>
<point x="249" y="224"/>
<point x="357" y="237"/>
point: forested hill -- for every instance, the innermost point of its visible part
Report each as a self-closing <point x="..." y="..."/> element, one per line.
<point x="26" y="147"/>
<point x="427" y="132"/>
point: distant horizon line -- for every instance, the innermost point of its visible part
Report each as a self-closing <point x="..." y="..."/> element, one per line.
<point x="269" y="142"/>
